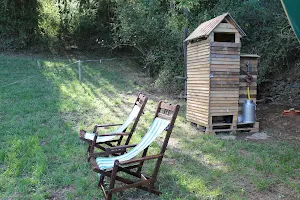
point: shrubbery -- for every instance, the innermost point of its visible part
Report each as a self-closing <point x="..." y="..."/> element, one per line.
<point x="152" y="29"/>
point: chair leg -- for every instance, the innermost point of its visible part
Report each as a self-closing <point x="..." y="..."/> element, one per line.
<point x="155" y="172"/>
<point x="139" y="169"/>
<point x="101" y="180"/>
<point x="113" y="179"/>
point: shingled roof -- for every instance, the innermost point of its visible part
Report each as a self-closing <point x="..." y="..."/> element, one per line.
<point x="207" y="27"/>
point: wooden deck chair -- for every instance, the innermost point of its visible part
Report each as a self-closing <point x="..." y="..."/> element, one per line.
<point x="164" y="119"/>
<point x="115" y="137"/>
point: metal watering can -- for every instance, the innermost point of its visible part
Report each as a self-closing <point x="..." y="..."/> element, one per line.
<point x="249" y="111"/>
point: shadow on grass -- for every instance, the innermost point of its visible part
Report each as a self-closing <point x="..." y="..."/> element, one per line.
<point x="33" y="134"/>
<point x="40" y="152"/>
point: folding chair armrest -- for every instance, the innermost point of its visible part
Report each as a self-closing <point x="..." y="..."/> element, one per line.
<point x="103" y="126"/>
<point x="112" y="150"/>
<point x="124" y="147"/>
<point x="106" y="125"/>
<point x="113" y="134"/>
<point x="110" y="134"/>
<point x="142" y="159"/>
<point x="98" y="154"/>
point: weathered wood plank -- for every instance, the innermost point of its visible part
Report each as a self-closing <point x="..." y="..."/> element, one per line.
<point x="223" y="104"/>
<point x="246" y="96"/>
<point x="214" y="55"/>
<point x="237" y="37"/>
<point x="198" y="72"/>
<point x="198" y="59"/>
<point x="191" y="64"/>
<point x="224" y="65"/>
<point x="223" y="99"/>
<point x="198" y="92"/>
<point x="199" y="43"/>
<point x="199" y="107"/>
<point x="199" y="99"/>
<point x="198" y="121"/>
<point x="224" y="83"/>
<point x="199" y="66"/>
<point x="198" y="50"/>
<point x="197" y="88"/>
<point x="192" y="52"/>
<point x="224" y="30"/>
<point x="214" y="69"/>
<point x="203" y="102"/>
<point x="243" y="76"/>
<point x="225" y="62"/>
<point x="244" y="92"/>
<point x="215" y="114"/>
<point x="225" y="44"/>
<point x="226" y="25"/>
<point x="201" y="116"/>
<point x="213" y="94"/>
<point x="224" y="111"/>
<point x="226" y="59"/>
<point x="226" y="48"/>
<point x="231" y="79"/>
<point x="244" y="84"/>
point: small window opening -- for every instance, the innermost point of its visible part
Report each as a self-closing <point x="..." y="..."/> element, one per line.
<point x="224" y="37"/>
<point x="222" y="119"/>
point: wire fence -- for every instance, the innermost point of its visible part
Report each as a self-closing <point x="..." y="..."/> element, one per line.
<point x="79" y="65"/>
<point x="17" y="81"/>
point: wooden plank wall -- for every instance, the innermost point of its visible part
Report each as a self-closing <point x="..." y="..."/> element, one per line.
<point x="225" y="28"/>
<point x="224" y="79"/>
<point x="243" y="85"/>
<point x="198" y="72"/>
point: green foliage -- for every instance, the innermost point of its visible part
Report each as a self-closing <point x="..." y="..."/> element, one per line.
<point x="54" y="23"/>
<point x="18" y="22"/>
<point x="48" y="24"/>
<point x="92" y="24"/>
<point x="152" y="29"/>
<point x="268" y="34"/>
<point x="155" y="32"/>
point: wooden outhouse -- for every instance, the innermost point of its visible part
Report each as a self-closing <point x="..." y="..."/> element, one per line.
<point x="215" y="82"/>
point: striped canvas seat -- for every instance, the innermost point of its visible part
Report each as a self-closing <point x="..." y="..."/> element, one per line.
<point x="134" y="113"/>
<point x="130" y="159"/>
<point x="156" y="128"/>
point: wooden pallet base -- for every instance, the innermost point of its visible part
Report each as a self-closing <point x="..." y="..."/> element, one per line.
<point x="249" y="127"/>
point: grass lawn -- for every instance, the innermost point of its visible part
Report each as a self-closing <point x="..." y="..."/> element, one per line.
<point x="41" y="156"/>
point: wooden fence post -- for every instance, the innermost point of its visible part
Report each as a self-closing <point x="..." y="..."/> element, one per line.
<point x="79" y="70"/>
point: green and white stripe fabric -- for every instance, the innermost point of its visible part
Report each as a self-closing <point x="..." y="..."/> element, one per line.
<point x="156" y="128"/>
<point x="134" y="113"/>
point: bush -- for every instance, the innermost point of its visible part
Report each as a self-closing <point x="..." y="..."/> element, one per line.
<point x="156" y="31"/>
<point x="151" y="29"/>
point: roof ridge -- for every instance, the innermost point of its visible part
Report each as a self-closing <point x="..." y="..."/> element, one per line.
<point x="204" y="29"/>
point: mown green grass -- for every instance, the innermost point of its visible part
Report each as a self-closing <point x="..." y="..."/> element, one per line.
<point x="41" y="156"/>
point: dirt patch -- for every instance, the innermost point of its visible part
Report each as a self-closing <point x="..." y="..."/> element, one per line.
<point x="170" y="161"/>
<point x="276" y="125"/>
<point x="258" y="136"/>
<point x="62" y="192"/>
<point x="244" y="152"/>
<point x="275" y="192"/>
